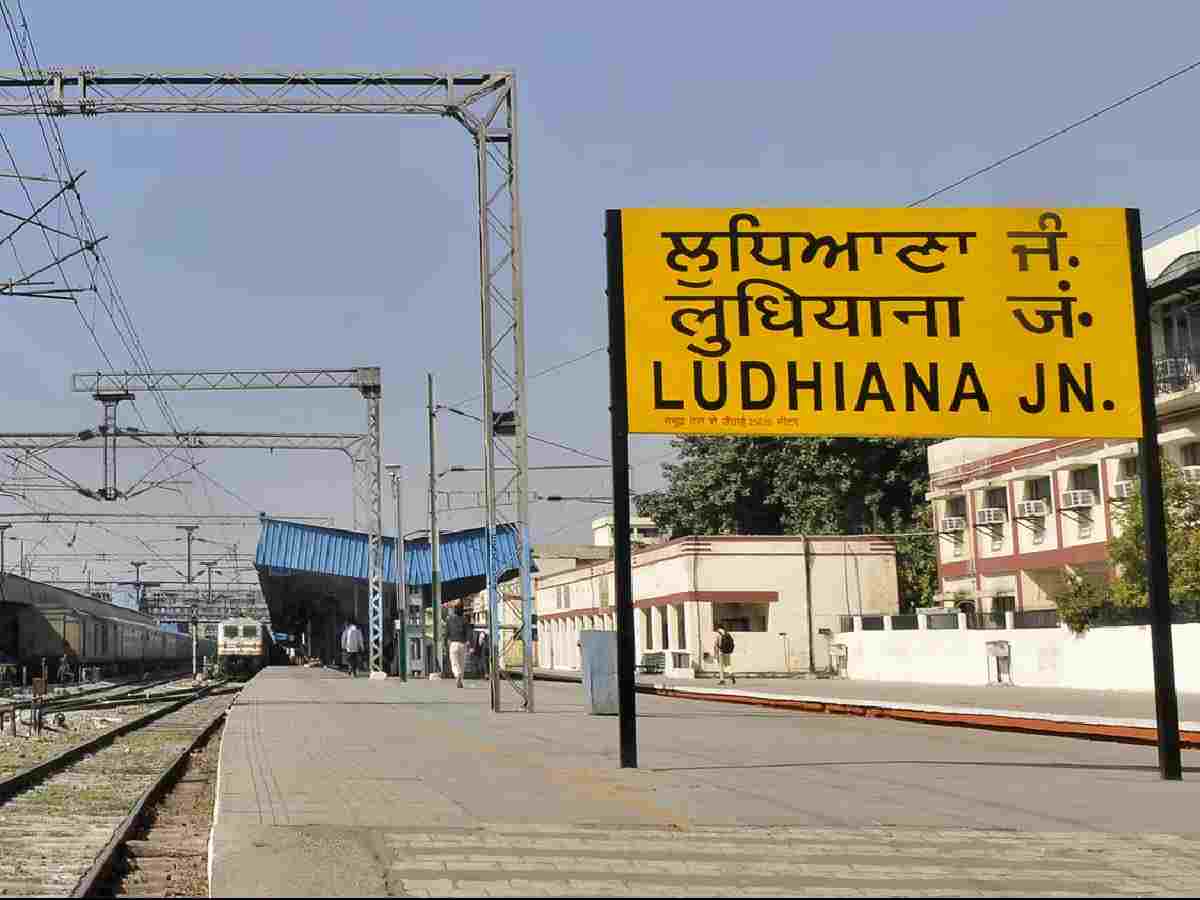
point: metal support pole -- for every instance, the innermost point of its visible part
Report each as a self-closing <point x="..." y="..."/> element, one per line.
<point x="489" y="415"/>
<point x="190" y="530"/>
<point x="435" y="543"/>
<point x="3" y="540"/>
<point x="622" y="557"/>
<point x="370" y="388"/>
<point x="401" y="575"/>
<point x="1166" y="702"/>
<point x="137" y="584"/>
<point x="522" y="402"/>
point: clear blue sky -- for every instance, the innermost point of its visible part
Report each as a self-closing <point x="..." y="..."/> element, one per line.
<point x="284" y="242"/>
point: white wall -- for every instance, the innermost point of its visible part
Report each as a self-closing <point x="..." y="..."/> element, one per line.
<point x="1101" y="659"/>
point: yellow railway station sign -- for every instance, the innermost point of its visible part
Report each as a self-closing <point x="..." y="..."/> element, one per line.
<point x="889" y="322"/>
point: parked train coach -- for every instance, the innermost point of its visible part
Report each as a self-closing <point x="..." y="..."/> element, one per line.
<point x="43" y="624"/>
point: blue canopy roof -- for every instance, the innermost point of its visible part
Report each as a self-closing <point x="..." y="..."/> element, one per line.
<point x="293" y="547"/>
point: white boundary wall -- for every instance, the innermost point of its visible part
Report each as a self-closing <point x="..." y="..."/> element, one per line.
<point x="1101" y="659"/>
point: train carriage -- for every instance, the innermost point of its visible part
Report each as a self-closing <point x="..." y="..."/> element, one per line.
<point x="41" y="624"/>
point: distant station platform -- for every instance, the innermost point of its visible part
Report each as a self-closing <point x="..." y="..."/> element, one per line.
<point x="332" y="786"/>
<point x="1102" y="715"/>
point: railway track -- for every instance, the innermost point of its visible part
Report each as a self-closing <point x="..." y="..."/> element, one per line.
<point x="64" y="822"/>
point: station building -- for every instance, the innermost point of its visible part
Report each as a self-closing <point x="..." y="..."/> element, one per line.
<point x="1013" y="516"/>
<point x="779" y="596"/>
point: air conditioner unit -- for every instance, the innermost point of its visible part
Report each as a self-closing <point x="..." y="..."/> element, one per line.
<point x="1031" y="509"/>
<point x="1123" y="490"/>
<point x="991" y="515"/>
<point x="954" y="523"/>
<point x="1078" y="500"/>
<point x="1191" y="473"/>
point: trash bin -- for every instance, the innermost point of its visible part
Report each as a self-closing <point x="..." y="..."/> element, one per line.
<point x="599" y="652"/>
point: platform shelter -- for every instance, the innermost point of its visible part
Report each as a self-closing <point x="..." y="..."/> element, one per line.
<point x="314" y="578"/>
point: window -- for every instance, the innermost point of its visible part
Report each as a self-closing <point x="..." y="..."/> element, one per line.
<point x="604" y="601"/>
<point x="1189" y="454"/>
<point x="230" y="631"/>
<point x="250" y="631"/>
<point x="1087" y="479"/>
<point x="1004" y="603"/>
<point x="1127" y="469"/>
<point x="1038" y="489"/>
<point x="956" y="506"/>
<point x="996" y="498"/>
<point x="646" y="630"/>
<point x="741" y="616"/>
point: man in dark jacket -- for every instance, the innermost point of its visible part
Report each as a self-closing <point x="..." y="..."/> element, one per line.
<point x="456" y="634"/>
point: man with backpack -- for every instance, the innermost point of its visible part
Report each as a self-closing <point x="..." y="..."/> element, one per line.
<point x="723" y="651"/>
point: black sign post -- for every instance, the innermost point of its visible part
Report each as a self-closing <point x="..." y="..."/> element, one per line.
<point x="1166" y="703"/>
<point x="622" y="559"/>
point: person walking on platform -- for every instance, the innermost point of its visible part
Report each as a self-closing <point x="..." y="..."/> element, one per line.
<point x="723" y="651"/>
<point x="456" y="634"/>
<point x="352" y="643"/>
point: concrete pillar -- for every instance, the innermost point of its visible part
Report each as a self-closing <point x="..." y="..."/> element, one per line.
<point x="887" y="623"/>
<point x="1010" y="620"/>
<point x="922" y="623"/>
<point x="962" y="621"/>
<point x="673" y="634"/>
<point x="656" y="622"/>
<point x="857" y="622"/>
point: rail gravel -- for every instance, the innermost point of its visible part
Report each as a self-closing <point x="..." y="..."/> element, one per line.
<point x="61" y="823"/>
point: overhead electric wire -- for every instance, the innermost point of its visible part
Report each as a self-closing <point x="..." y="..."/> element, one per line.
<point x="532" y="437"/>
<point x="51" y="133"/>
<point x="1175" y="221"/>
<point x="548" y="370"/>
<point x="1057" y="133"/>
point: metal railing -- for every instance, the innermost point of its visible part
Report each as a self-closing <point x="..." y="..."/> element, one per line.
<point x="845" y="624"/>
<point x="906" y="623"/>
<point x="986" y="620"/>
<point x="1036" y="618"/>
<point x="1175" y="372"/>
<point x="872" y="623"/>
<point x="942" y="621"/>
<point x="1182" y="613"/>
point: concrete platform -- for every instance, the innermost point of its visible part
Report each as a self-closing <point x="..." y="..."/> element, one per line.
<point x="340" y="787"/>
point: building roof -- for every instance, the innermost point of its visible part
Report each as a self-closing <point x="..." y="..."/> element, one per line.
<point x="285" y="547"/>
<point x="572" y="551"/>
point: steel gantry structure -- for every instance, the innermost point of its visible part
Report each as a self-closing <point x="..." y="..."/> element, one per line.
<point x="485" y="104"/>
<point x="354" y="446"/>
<point x="365" y="380"/>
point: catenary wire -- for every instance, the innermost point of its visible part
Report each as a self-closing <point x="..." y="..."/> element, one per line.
<point x="1057" y="133"/>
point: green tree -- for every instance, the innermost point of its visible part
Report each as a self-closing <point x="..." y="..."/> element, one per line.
<point x="759" y="485"/>
<point x="1181" y="506"/>
<point x="1086" y="600"/>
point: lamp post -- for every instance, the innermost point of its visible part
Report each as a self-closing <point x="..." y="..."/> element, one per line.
<point x="397" y="473"/>
<point x="787" y="656"/>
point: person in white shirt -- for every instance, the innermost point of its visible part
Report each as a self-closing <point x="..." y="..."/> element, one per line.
<point x="352" y="644"/>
